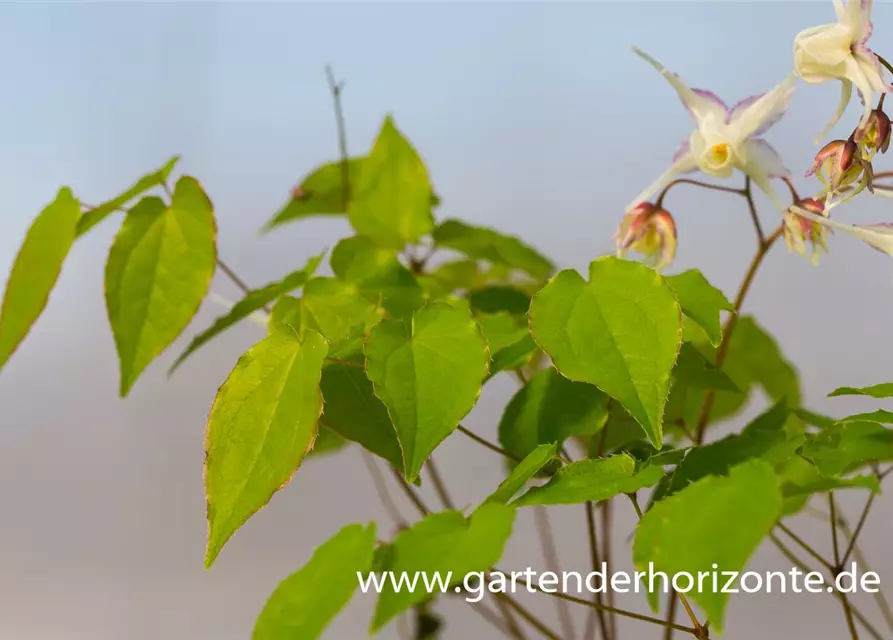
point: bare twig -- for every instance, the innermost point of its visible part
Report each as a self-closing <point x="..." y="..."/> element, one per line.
<point x="550" y="554"/>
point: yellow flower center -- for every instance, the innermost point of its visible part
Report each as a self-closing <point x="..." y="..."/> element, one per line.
<point x="719" y="153"/>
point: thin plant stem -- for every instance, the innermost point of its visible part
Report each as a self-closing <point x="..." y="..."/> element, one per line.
<point x="232" y="275"/>
<point x="336" y="88"/>
<point x="844" y="601"/>
<point x="671" y="615"/>
<point x="381" y="489"/>
<point x="410" y="493"/>
<point x="806" y="547"/>
<point x="697" y="626"/>
<point x="531" y="619"/>
<point x="550" y="554"/>
<point x="596" y="613"/>
<point x="439" y="486"/>
<point x="659" y="203"/>
<point x="512" y="628"/>
<point x="752" y="209"/>
<point x="605" y="509"/>
<point x="486" y="443"/>
<point x="731" y="323"/>
<point x="787" y="553"/>
<point x="858" y="530"/>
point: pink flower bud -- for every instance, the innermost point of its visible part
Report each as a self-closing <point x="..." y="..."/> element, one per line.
<point x="650" y="231"/>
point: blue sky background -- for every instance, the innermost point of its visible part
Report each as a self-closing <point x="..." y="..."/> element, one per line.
<point x="534" y="118"/>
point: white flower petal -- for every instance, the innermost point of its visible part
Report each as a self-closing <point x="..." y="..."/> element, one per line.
<point x="758" y="116"/>
<point x="683" y="164"/>
<point x="700" y="103"/>
<point x="846" y="92"/>
<point x="877" y="236"/>
<point x="761" y="163"/>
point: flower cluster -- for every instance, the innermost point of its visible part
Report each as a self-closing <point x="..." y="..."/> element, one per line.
<point x="729" y="139"/>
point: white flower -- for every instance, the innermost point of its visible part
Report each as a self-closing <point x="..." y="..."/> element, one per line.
<point x="726" y="139"/>
<point x="878" y="236"/>
<point x="839" y="52"/>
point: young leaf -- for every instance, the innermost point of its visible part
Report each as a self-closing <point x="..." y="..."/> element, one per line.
<point x="693" y="370"/>
<point x="441" y="543"/>
<point x="763" y="438"/>
<point x="524" y="471"/>
<point x="36" y="269"/>
<point x="883" y="390"/>
<point x="159" y="269"/>
<point x="879" y="415"/>
<point x="320" y="194"/>
<point x="592" y="480"/>
<point x="263" y="422"/>
<point x="286" y="311"/>
<point x="551" y="408"/>
<point x="717" y="521"/>
<point x="621" y="331"/>
<point x="428" y="373"/>
<point x="701" y="301"/>
<point x="378" y="273"/>
<point x="253" y="300"/>
<point x="353" y="411"/>
<point x="149" y="181"/>
<point x="336" y="309"/>
<point x="848" y="446"/>
<point x="305" y="603"/>
<point x="502" y="329"/>
<point x="392" y="197"/>
<point x="481" y="243"/>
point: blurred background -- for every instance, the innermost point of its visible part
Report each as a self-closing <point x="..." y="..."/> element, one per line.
<point x="533" y="118"/>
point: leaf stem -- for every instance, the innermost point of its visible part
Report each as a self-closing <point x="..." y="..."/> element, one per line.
<point x="844" y="601"/>
<point x="671" y="615"/>
<point x="336" y="88"/>
<point x="858" y="530"/>
<point x="381" y="489"/>
<point x="803" y="545"/>
<point x="597" y="612"/>
<point x="550" y="554"/>
<point x="439" y="486"/>
<point x="410" y="493"/>
<point x="535" y="622"/>
<point x="787" y="553"/>
<point x="486" y="443"/>
<point x="732" y="322"/>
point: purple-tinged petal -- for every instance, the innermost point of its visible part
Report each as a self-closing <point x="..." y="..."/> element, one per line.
<point x="683" y="150"/>
<point x="739" y="107"/>
<point x="710" y="97"/>
<point x="765" y="154"/>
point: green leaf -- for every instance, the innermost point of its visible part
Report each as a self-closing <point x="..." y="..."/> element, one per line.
<point x="817" y="419"/>
<point x="499" y="299"/>
<point x="717" y="521"/>
<point x="336" y="309"/>
<point x="551" y="408"/>
<point x="378" y="273"/>
<point x="392" y="197"/>
<point x="592" y="480"/>
<point x="36" y="270"/>
<point x="441" y="543"/>
<point x="752" y="360"/>
<point x="263" y="422"/>
<point x="848" y="446"/>
<point x="524" y="471"/>
<point x="701" y="301"/>
<point x="883" y="390"/>
<point x="353" y="411"/>
<point x="462" y="274"/>
<point x="158" y="272"/>
<point x="304" y="604"/>
<point x="286" y="311"/>
<point x="763" y="438"/>
<point x="253" y="301"/>
<point x="482" y="243"/>
<point x="879" y="415"/>
<point x="502" y="329"/>
<point x="514" y="356"/>
<point x="428" y="373"/>
<point x="621" y="331"/>
<point x="693" y="370"/>
<point x="149" y="181"/>
<point x="327" y="441"/>
<point x="321" y="193"/>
